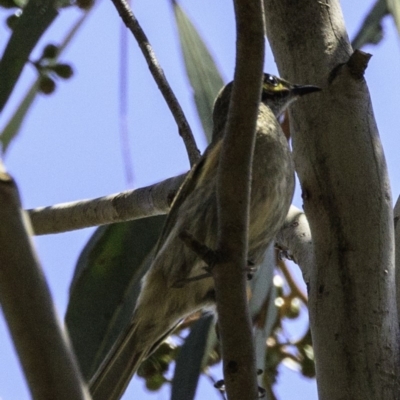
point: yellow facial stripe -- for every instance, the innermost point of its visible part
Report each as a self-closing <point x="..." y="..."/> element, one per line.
<point x="278" y="88"/>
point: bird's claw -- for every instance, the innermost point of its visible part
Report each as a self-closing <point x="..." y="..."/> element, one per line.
<point x="182" y="282"/>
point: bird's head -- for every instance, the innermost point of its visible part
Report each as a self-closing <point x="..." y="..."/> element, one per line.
<point x="278" y="94"/>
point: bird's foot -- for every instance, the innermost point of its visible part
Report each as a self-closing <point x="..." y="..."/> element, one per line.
<point x="209" y="256"/>
<point x="250" y="270"/>
<point x="283" y="253"/>
<point x="204" y="252"/>
<point x="220" y="385"/>
<point x="182" y="282"/>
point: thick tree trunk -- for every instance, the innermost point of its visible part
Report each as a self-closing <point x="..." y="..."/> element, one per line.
<point x="347" y="200"/>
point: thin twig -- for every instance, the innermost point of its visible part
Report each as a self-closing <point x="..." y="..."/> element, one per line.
<point x="131" y="204"/>
<point x="132" y="24"/>
<point x="123" y="107"/>
<point x="296" y="291"/>
<point x="213" y="382"/>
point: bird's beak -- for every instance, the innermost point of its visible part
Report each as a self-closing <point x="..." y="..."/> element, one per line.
<point x="301" y="90"/>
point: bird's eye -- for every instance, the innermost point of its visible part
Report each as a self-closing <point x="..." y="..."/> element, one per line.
<point x="272" y="80"/>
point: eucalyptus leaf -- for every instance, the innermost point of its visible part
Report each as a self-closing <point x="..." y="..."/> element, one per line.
<point x="262" y="304"/>
<point x="21" y="3"/>
<point x="371" y="31"/>
<point x="15" y="122"/>
<point x="201" y="69"/>
<point x="394" y="8"/>
<point x="190" y="360"/>
<point x="36" y="17"/>
<point x="13" y="126"/>
<point x="106" y="285"/>
<point x="262" y="282"/>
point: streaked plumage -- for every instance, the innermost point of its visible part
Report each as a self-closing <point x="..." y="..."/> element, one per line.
<point x="161" y="305"/>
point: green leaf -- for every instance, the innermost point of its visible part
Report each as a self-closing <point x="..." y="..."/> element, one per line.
<point x="262" y="302"/>
<point x="262" y="282"/>
<point x="394" y="8"/>
<point x="14" y="124"/>
<point x="9" y="4"/>
<point x="106" y="285"/>
<point x="72" y="32"/>
<point x="35" y="19"/>
<point x="189" y="360"/>
<point x="261" y="336"/>
<point x="21" y="3"/>
<point x="202" y="71"/>
<point x="371" y="28"/>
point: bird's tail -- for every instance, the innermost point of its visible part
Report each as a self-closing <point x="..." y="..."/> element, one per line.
<point x="159" y="310"/>
<point x="115" y="373"/>
<point x="139" y="342"/>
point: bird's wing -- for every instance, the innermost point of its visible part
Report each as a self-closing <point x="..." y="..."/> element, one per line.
<point x="188" y="186"/>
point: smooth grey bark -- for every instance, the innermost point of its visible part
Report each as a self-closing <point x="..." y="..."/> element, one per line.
<point x="43" y="348"/>
<point x="294" y="238"/>
<point x="124" y="206"/>
<point x="347" y="200"/>
<point x="396" y="215"/>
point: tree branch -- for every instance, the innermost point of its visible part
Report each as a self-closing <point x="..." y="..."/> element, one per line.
<point x="131" y="204"/>
<point x="43" y="349"/>
<point x="346" y="194"/>
<point x="396" y="217"/>
<point x="295" y="238"/>
<point x="295" y="290"/>
<point x="233" y="194"/>
<point x="184" y="129"/>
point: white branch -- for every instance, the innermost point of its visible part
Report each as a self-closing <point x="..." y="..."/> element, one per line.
<point x="295" y="238"/>
<point x="120" y="207"/>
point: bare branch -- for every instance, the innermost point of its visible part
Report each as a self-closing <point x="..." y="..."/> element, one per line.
<point x="296" y="291"/>
<point x="132" y="24"/>
<point x="295" y="238"/>
<point x="131" y="204"/>
<point x="233" y="193"/>
<point x="43" y="348"/>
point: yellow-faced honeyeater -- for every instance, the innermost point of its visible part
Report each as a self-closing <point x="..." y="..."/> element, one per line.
<point x="162" y="304"/>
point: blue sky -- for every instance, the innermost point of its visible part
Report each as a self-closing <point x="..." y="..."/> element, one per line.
<point x="69" y="147"/>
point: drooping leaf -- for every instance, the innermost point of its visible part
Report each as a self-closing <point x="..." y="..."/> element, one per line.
<point x="13" y="126"/>
<point x="73" y="31"/>
<point x="263" y="332"/>
<point x="201" y="69"/>
<point x="262" y="282"/>
<point x="371" y="29"/>
<point x="394" y="9"/>
<point x="15" y="122"/>
<point x="106" y="285"/>
<point x="262" y="305"/>
<point x="189" y="360"/>
<point x="35" y="19"/>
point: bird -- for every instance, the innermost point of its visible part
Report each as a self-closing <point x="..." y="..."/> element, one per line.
<point x="171" y="289"/>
